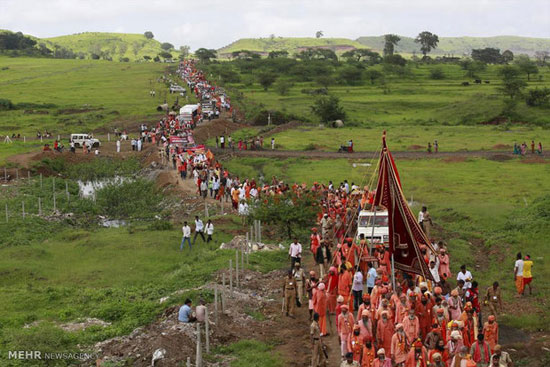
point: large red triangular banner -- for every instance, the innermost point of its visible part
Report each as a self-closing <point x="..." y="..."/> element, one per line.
<point x="405" y="234"/>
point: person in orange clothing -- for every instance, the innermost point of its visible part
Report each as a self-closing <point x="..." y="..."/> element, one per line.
<point x="424" y="317"/>
<point x="355" y="343"/>
<point x="320" y="307"/>
<point x="470" y="330"/>
<point x="344" y="284"/>
<point x="368" y="354"/>
<point x="490" y="329"/>
<point x="441" y="322"/>
<point x="439" y="349"/>
<point x="411" y="326"/>
<point x="417" y="356"/>
<point x="382" y="360"/>
<point x="338" y="311"/>
<point x="365" y="325"/>
<point x="384" y="332"/>
<point x="399" y="346"/>
<point x="401" y="308"/>
<point x="345" y="325"/>
<point x="332" y="288"/>
<point x="384" y="259"/>
<point x="315" y="241"/>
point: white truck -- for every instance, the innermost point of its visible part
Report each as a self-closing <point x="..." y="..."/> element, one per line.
<point x="80" y="139"/>
<point x="369" y="221"/>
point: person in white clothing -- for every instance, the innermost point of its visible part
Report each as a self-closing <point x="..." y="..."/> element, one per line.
<point x="466" y="276"/>
<point x="199" y="229"/>
<point x="295" y="253"/>
<point x="434" y="270"/>
<point x="118" y="146"/>
<point x="357" y="288"/>
<point x="186" y="235"/>
<point x="518" y="274"/>
<point x="209" y="230"/>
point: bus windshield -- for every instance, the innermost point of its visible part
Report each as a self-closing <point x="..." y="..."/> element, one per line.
<point x="367" y="220"/>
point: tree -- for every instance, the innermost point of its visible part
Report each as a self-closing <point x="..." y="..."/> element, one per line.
<point x="542" y="57"/>
<point x="324" y="80"/>
<point x="507" y="56"/>
<point x="165" y="55"/>
<point x="487" y="55"/>
<point x="362" y="54"/>
<point x="156" y="59"/>
<point x="204" y="55"/>
<point x="166" y="46"/>
<point x="526" y="65"/>
<point x="328" y="108"/>
<point x="149" y="35"/>
<point x="512" y="84"/>
<point x="146" y="58"/>
<point x="266" y="79"/>
<point x="318" y="34"/>
<point x="473" y="68"/>
<point x="390" y="41"/>
<point x="351" y="75"/>
<point x="282" y="86"/>
<point x="317" y="54"/>
<point x="395" y="60"/>
<point x="122" y="48"/>
<point x="373" y="75"/>
<point x="290" y="212"/>
<point x="276" y="54"/>
<point x="428" y="41"/>
<point x="538" y="97"/>
<point x="136" y="47"/>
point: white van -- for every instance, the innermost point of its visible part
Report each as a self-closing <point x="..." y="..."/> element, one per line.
<point x="368" y="221"/>
<point x="80" y="139"/>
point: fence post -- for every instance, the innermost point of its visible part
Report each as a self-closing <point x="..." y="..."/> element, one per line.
<point x="252" y="239"/>
<point x="29" y="175"/>
<point x="108" y="137"/>
<point x="188" y="361"/>
<point x="223" y="293"/>
<point x="5" y="174"/>
<point x="23" y="208"/>
<point x="17" y="173"/>
<point x="237" y="268"/>
<point x="206" y="209"/>
<point x="39" y="206"/>
<point x="259" y="231"/>
<point x="198" y="356"/>
<point x="41" y="181"/>
<point x="7" y="216"/>
<point x="54" y="206"/>
<point x="206" y="330"/>
<point x="67" y="191"/>
<point x="53" y="184"/>
<point x="242" y="260"/>
<point x="230" y="272"/>
<point x="24" y="139"/>
<point x="216" y="304"/>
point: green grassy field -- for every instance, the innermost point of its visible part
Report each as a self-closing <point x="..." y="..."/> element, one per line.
<point x="290" y="44"/>
<point x="459" y="46"/>
<point x="116" y="45"/>
<point x="86" y="94"/>
<point x="477" y="203"/>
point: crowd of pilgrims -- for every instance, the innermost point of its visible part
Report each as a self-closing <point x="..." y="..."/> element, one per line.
<point x="424" y="321"/>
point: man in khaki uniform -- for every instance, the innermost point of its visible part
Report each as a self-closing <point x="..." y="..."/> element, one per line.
<point x="317" y="356"/>
<point x="300" y="278"/>
<point x="493" y="299"/>
<point x="289" y="291"/>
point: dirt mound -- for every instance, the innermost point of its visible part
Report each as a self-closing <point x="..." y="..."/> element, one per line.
<point x="502" y="147"/>
<point x="535" y="160"/>
<point x="499" y="157"/>
<point x="415" y="147"/>
<point x="210" y="129"/>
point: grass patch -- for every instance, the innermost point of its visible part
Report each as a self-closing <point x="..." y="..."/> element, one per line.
<point x="251" y="353"/>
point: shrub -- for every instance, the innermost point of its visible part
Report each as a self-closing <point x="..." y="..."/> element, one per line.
<point x="283" y="86"/>
<point x="538" y="97"/>
<point x="133" y="199"/>
<point x="5" y="104"/>
<point x="437" y="73"/>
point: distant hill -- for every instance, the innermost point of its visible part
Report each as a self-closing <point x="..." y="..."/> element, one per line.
<point x="290" y="44"/>
<point x="116" y="45"/>
<point x="459" y="46"/>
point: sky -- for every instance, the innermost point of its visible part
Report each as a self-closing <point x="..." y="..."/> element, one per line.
<point x="214" y="23"/>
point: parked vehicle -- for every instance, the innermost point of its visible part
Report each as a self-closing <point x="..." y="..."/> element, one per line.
<point x="369" y="221"/>
<point x="80" y="139"/>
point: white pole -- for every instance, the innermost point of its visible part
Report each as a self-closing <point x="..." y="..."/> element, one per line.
<point x="23" y="208"/>
<point x="41" y="181"/>
<point x="216" y="304"/>
<point x="198" y="357"/>
<point x="54" y="206"/>
<point x="24" y="139"/>
<point x="39" y="206"/>
<point x="7" y="213"/>
<point x="188" y="361"/>
<point x="206" y="330"/>
<point x="242" y="260"/>
<point x="392" y="271"/>
<point x="29" y="174"/>
<point x="237" y="268"/>
<point x="260" y="231"/>
<point x="231" y="276"/>
<point x="222" y="204"/>
<point x="223" y="293"/>
<point x="108" y="137"/>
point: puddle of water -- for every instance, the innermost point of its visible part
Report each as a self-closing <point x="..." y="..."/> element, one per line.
<point x="88" y="189"/>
